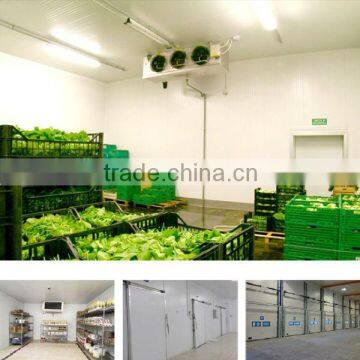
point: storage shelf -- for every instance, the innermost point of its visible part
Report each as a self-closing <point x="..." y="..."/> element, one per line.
<point x="84" y="331"/>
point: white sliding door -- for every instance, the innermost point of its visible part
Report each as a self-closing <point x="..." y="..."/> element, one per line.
<point x="147" y="324"/>
<point x="200" y="316"/>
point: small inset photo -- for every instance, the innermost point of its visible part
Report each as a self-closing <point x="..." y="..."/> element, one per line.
<point x="57" y="320"/>
<point x="180" y="320"/>
<point x="302" y="320"/>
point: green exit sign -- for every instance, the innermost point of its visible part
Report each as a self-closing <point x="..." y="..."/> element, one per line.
<point x="320" y="121"/>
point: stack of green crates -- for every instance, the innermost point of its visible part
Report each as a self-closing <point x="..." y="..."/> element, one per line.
<point x="312" y="228"/>
<point x="162" y="188"/>
<point x="126" y="186"/>
<point x="284" y="194"/>
<point x="260" y="223"/>
<point x="349" y="228"/>
<point x="265" y="202"/>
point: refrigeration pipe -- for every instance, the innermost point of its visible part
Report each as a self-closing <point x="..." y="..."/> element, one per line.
<point x="204" y="152"/>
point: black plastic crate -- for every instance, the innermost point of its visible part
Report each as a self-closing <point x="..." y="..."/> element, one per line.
<point x="14" y="144"/>
<point x="36" y="200"/>
<point x="238" y="246"/>
<point x="10" y="222"/>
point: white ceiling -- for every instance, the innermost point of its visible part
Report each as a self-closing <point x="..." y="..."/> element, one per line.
<point x="70" y="292"/>
<point x="223" y="289"/>
<point x="305" y="26"/>
<point x="350" y="288"/>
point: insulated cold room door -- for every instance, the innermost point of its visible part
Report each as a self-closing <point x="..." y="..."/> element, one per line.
<point x="223" y="318"/>
<point x="338" y="317"/>
<point x="147" y="323"/>
<point x="200" y="313"/>
<point x="293" y="308"/>
<point x="313" y="307"/>
<point x="261" y="310"/>
<point x="328" y="310"/>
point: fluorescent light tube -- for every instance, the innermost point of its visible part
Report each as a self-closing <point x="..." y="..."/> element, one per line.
<point x="76" y="40"/>
<point x="72" y="56"/>
<point x="343" y="289"/>
<point x="147" y="32"/>
<point x="265" y="14"/>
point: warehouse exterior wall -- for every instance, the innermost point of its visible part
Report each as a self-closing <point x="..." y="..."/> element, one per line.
<point x="68" y="314"/>
<point x="267" y="99"/>
<point x="37" y="95"/>
<point x="7" y="304"/>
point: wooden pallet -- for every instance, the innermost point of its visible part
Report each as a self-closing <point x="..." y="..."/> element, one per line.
<point x="163" y="206"/>
<point x="270" y="237"/>
<point x="169" y="204"/>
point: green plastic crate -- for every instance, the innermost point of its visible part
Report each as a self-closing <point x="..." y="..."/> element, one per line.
<point x="260" y="223"/>
<point x="353" y="246"/>
<point x="299" y="211"/>
<point x="292" y="252"/>
<point x="349" y="255"/>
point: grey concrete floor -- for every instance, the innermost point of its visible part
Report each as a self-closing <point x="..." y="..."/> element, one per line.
<point x="211" y="217"/>
<point x="334" y="345"/>
<point x="223" y="348"/>
<point x="49" y="351"/>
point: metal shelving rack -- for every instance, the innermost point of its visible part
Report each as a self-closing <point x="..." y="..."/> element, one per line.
<point x="57" y="332"/>
<point x="103" y="336"/>
<point x="21" y="328"/>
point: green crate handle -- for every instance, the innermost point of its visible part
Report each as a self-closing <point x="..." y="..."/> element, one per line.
<point x="311" y="227"/>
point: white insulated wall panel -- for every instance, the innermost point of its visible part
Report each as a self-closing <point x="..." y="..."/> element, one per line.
<point x="277" y="94"/>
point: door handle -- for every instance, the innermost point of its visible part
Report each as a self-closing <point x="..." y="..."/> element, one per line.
<point x="167" y="324"/>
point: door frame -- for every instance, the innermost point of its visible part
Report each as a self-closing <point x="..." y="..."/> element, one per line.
<point x="220" y="318"/>
<point x="317" y="132"/>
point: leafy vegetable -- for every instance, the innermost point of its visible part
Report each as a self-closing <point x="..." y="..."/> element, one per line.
<point x="99" y="217"/>
<point x="51" y="226"/>
<point x="71" y="144"/>
<point x="169" y="244"/>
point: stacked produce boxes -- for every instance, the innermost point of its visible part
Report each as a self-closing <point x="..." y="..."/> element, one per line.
<point x="158" y="189"/>
<point x="260" y="223"/>
<point x="126" y="183"/>
<point x="312" y="228"/>
<point x="349" y="228"/>
<point x="265" y="202"/>
<point x="284" y="194"/>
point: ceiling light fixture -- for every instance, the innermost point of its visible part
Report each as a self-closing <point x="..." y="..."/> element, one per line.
<point x="343" y="289"/>
<point x="72" y="56"/>
<point x="143" y="29"/>
<point x="147" y="32"/>
<point x="52" y="42"/>
<point x="265" y="14"/>
<point x="76" y="40"/>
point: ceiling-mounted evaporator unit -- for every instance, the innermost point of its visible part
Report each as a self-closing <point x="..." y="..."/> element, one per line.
<point x="53" y="306"/>
<point x="202" y="60"/>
